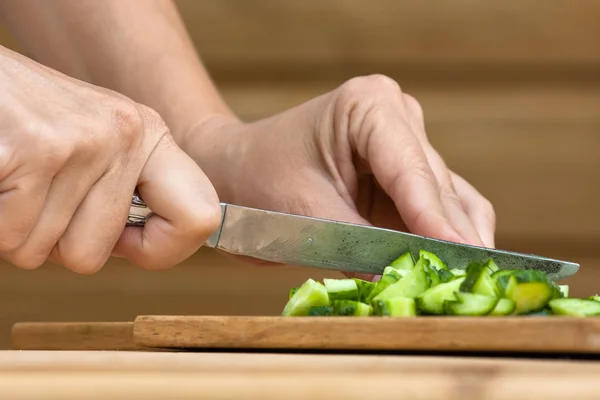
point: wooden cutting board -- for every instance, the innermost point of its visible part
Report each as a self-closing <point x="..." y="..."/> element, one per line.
<point x="555" y="335"/>
<point x="464" y="334"/>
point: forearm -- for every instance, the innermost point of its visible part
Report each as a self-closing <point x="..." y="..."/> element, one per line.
<point x="137" y="47"/>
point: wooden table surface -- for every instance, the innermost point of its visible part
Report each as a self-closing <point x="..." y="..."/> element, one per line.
<point x="134" y="375"/>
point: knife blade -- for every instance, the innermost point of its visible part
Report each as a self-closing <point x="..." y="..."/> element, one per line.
<point x="321" y="243"/>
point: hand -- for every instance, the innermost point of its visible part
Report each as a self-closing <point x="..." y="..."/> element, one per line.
<point x="358" y="154"/>
<point x="71" y="155"/>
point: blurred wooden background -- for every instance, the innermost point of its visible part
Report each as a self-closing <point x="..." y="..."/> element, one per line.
<point x="511" y="93"/>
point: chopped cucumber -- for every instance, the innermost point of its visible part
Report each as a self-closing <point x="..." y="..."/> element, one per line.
<point x="434" y="260"/>
<point x="564" y="289"/>
<point x="432" y="300"/>
<point x="575" y="307"/>
<point x="320" y="311"/>
<point x="478" y="279"/>
<point x="429" y="287"/>
<point x="594" y="297"/>
<point x="341" y="289"/>
<point x="310" y="294"/>
<point x="530" y="291"/>
<point x="394" y="272"/>
<point x="396" y="307"/>
<point x="364" y="289"/>
<point x="414" y="283"/>
<point x="404" y="262"/>
<point x="433" y="275"/>
<point x="470" y="304"/>
<point x="445" y="276"/>
<point x="504" y="307"/>
<point x="381" y="285"/>
<point x="292" y="292"/>
<point x="349" y="307"/>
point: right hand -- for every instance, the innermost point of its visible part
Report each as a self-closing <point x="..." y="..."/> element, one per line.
<point x="71" y="156"/>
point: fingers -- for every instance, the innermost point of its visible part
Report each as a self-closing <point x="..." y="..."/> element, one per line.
<point x="68" y="190"/>
<point x="403" y="171"/>
<point x="450" y="200"/>
<point x="479" y="209"/>
<point x="185" y="205"/>
<point x="87" y="243"/>
<point x="20" y="207"/>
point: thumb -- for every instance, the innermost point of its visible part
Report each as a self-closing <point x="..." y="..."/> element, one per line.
<point x="185" y="205"/>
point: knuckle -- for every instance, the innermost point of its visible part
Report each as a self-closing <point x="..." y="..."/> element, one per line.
<point x="369" y="83"/>
<point x="129" y="122"/>
<point x="83" y="260"/>
<point x="413" y="106"/>
<point x="152" y="120"/>
<point x="28" y="261"/>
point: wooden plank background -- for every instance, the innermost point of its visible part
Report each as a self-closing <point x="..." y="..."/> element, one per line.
<point x="510" y="91"/>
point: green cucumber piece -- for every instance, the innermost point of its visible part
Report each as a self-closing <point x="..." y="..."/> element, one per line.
<point x="434" y="260"/>
<point x="445" y="275"/>
<point x="398" y="274"/>
<point x="504" y="307"/>
<point x="478" y="279"/>
<point x="364" y="289"/>
<point x="595" y="298"/>
<point x="404" y="262"/>
<point x="530" y="290"/>
<point x="413" y="283"/>
<point x="575" y="307"/>
<point x="381" y="285"/>
<point x="433" y="275"/>
<point x="310" y="294"/>
<point x="432" y="300"/>
<point x="341" y="289"/>
<point x="396" y="307"/>
<point x="564" y="289"/>
<point x="320" y="311"/>
<point x="470" y="304"/>
<point x="351" y="308"/>
<point x="292" y="292"/>
<point x="458" y="272"/>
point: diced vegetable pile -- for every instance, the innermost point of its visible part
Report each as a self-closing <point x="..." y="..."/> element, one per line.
<point x="428" y="287"/>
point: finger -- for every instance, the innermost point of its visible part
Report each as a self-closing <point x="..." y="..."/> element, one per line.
<point x="65" y="195"/>
<point x="451" y="203"/>
<point x="97" y="223"/>
<point x="479" y="209"/>
<point x="20" y="208"/>
<point x="186" y="208"/>
<point x="401" y="167"/>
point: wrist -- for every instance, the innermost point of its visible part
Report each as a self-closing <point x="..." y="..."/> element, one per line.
<point x="214" y="143"/>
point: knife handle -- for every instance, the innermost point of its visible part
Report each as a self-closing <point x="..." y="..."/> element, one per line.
<point x="138" y="211"/>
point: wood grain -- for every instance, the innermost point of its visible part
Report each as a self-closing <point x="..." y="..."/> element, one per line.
<point x="351" y="32"/>
<point x="73" y="336"/>
<point x="137" y="375"/>
<point x="508" y="334"/>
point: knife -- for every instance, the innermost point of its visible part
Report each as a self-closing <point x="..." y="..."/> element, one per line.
<point x="314" y="242"/>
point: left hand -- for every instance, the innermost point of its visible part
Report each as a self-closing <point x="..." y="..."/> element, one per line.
<point x="357" y="154"/>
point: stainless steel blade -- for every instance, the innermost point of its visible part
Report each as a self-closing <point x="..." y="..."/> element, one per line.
<point x="313" y="242"/>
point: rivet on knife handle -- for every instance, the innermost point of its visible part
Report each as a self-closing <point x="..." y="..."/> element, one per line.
<point x="138" y="212"/>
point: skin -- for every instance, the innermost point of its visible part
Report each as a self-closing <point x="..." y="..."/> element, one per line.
<point x="359" y="153"/>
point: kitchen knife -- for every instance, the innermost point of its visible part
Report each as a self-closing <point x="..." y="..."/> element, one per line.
<point x="313" y="242"/>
